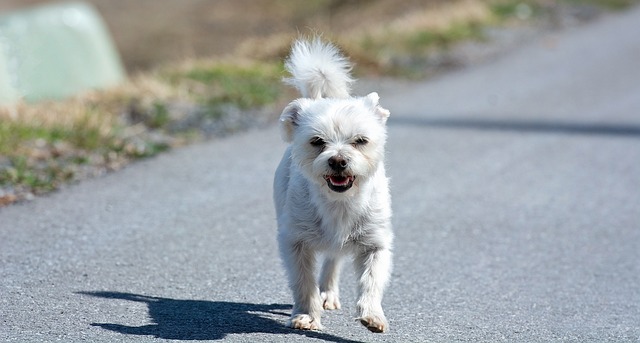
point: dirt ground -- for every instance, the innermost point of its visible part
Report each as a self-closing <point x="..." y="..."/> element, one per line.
<point x="148" y="32"/>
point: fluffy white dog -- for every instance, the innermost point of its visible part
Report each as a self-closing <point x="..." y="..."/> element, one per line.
<point x="330" y="190"/>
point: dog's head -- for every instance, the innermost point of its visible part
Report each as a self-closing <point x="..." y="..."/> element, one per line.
<point x="337" y="143"/>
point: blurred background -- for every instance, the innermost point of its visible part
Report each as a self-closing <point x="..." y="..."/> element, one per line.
<point x="382" y="36"/>
<point x="149" y="32"/>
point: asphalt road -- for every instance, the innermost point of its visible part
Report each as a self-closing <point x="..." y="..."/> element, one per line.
<point x="516" y="188"/>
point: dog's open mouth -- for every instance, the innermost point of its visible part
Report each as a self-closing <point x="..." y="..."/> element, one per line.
<point x="339" y="183"/>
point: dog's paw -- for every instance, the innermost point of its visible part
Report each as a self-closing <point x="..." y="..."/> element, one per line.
<point x="304" y="322"/>
<point x="375" y="323"/>
<point x="330" y="300"/>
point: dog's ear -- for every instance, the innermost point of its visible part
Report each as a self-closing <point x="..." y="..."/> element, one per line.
<point x="290" y="118"/>
<point x="372" y="100"/>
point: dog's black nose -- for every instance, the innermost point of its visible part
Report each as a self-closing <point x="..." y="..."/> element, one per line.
<point x="338" y="163"/>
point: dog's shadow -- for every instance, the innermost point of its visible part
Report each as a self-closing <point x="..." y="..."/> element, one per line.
<point x="205" y="320"/>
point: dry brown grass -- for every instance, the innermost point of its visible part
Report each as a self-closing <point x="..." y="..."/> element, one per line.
<point x="351" y="34"/>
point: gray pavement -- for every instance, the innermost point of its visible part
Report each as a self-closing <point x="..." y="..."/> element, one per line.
<point x="516" y="189"/>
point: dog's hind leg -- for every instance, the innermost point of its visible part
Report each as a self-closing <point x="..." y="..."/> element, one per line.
<point x="329" y="279"/>
<point x="373" y="267"/>
<point x="299" y="261"/>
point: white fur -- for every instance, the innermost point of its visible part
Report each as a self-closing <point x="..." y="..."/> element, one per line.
<point x="318" y="70"/>
<point x="328" y="127"/>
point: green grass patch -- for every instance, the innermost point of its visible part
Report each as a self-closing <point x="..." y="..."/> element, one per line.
<point x="14" y="136"/>
<point x="404" y="54"/>
<point x="39" y="179"/>
<point x="246" y="86"/>
<point x="508" y="9"/>
<point x="36" y="158"/>
<point x="615" y="5"/>
<point x="159" y="116"/>
<point x="422" y="41"/>
<point x="432" y="39"/>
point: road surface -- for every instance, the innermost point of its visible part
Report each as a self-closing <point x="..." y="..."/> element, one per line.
<point x="516" y="189"/>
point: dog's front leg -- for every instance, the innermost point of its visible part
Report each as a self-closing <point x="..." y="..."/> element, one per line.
<point x="329" y="279"/>
<point x="373" y="267"/>
<point x="300" y="264"/>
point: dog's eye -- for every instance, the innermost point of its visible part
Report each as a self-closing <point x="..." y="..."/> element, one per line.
<point x="317" y="142"/>
<point x="360" y="141"/>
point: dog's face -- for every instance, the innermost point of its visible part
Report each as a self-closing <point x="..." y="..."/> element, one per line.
<point x="337" y="143"/>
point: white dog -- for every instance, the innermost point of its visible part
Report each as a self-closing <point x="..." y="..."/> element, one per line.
<point x="330" y="190"/>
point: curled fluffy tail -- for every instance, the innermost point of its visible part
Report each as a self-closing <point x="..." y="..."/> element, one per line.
<point x="318" y="70"/>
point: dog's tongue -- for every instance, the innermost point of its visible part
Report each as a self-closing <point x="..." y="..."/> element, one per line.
<point x="339" y="180"/>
